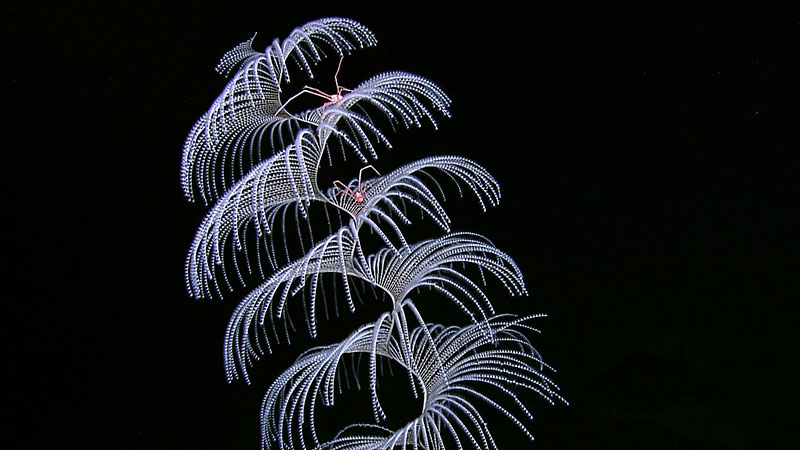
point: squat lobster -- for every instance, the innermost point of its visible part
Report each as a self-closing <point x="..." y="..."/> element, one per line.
<point x="358" y="195"/>
<point x="332" y="99"/>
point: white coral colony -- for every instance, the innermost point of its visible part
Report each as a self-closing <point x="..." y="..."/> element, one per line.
<point x="258" y="163"/>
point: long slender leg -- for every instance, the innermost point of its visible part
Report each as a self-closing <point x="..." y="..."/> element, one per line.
<point x="362" y="171"/>
<point x="340" y="89"/>
<point x="331" y="98"/>
<point x="306" y="90"/>
<point x="336" y="75"/>
<point x="317" y="92"/>
<point x="346" y="189"/>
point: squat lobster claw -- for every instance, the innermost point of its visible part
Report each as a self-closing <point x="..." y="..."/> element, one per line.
<point x="358" y="194"/>
<point x="332" y="99"/>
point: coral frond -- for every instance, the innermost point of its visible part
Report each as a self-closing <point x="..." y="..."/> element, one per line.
<point x="470" y="366"/>
<point x="250" y="103"/>
<point x="286" y="178"/>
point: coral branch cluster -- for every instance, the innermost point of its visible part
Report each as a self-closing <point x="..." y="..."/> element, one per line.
<point x="258" y="164"/>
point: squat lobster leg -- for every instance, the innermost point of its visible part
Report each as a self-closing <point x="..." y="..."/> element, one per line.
<point x="332" y="99"/>
<point x="358" y="194"/>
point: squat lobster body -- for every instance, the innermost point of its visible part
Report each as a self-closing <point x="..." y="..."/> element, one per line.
<point x="358" y="194"/>
<point x="332" y="99"/>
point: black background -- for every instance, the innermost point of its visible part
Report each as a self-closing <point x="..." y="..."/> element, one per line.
<point x="646" y="155"/>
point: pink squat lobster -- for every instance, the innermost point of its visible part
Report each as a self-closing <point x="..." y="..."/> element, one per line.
<point x="332" y="99"/>
<point x="358" y="194"/>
